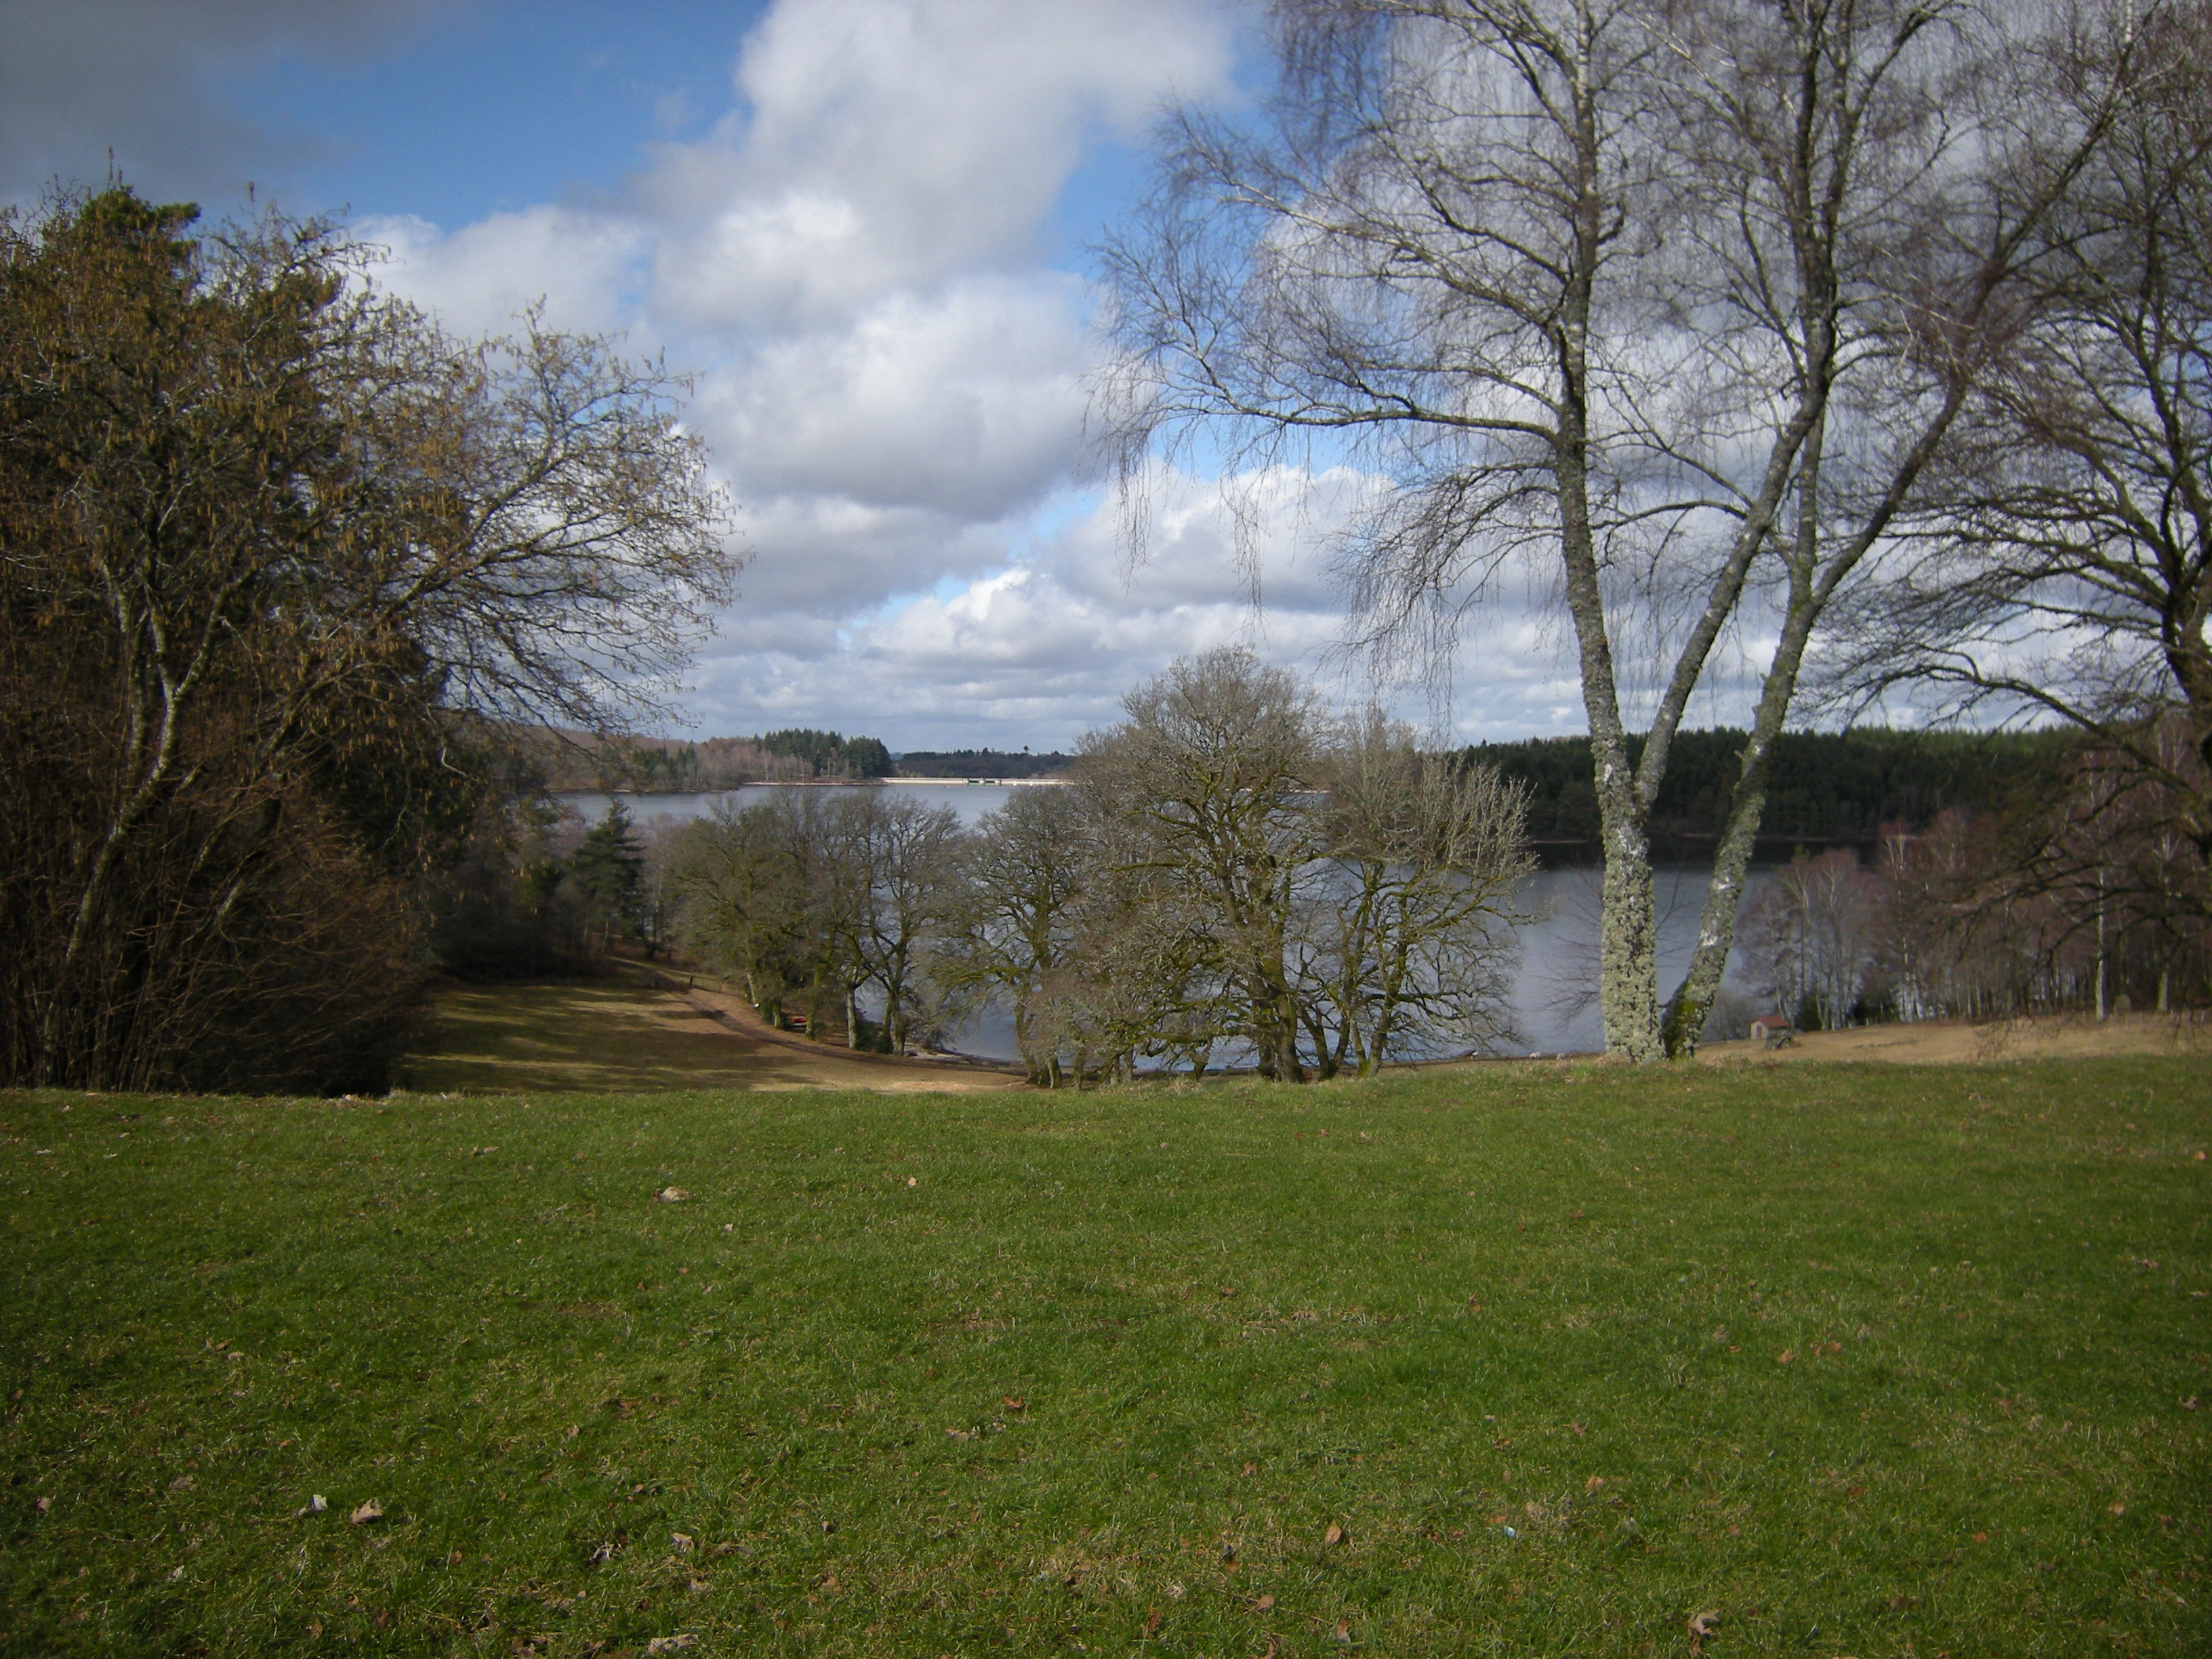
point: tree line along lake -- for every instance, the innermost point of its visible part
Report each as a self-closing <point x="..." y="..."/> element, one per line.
<point x="1558" y="940"/>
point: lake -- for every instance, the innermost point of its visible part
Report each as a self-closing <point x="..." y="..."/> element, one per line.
<point x="1558" y="945"/>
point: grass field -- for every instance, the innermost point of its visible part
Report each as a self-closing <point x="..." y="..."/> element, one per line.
<point x="1516" y="1360"/>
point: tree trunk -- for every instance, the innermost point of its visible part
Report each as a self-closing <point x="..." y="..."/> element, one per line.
<point x="1628" y="962"/>
<point x="1692" y="1001"/>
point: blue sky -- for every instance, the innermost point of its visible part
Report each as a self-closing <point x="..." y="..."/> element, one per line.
<point x="862" y="221"/>
<point x="543" y="100"/>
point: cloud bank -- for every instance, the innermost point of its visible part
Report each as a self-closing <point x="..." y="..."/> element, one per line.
<point x="856" y="259"/>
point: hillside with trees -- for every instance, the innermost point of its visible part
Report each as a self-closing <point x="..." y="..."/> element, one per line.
<point x="572" y="761"/>
<point x="1825" y="789"/>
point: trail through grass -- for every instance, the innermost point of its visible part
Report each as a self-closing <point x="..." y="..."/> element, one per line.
<point x="1507" y="1360"/>
<point x="631" y="1036"/>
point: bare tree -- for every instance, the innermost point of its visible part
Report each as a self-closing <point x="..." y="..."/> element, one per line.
<point x="1445" y="253"/>
<point x="768" y="896"/>
<point x="2064" y="570"/>
<point x="1887" y="174"/>
<point x="1617" y="284"/>
<point x="901" y="857"/>
<point x="1206" y="782"/>
<point x="1405" y="942"/>
<point x="1813" y="939"/>
<point x="1030" y="868"/>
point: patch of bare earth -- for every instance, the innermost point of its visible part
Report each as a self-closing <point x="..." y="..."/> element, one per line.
<point x="637" y="1034"/>
<point x="1955" y="1043"/>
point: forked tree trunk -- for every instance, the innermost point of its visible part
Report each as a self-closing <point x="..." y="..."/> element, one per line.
<point x="1692" y="1001"/>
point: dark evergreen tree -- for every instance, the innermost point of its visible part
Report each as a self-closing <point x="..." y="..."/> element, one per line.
<point x="609" y="871"/>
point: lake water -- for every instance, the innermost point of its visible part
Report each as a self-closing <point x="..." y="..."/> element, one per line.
<point x="970" y="800"/>
<point x="1554" y="991"/>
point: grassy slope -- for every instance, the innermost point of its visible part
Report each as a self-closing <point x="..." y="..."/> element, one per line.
<point x="1238" y="1316"/>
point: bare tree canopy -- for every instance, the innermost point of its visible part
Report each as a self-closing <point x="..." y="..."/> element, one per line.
<point x="2060" y="571"/>
<point x="1233" y="878"/>
<point x="1678" y="300"/>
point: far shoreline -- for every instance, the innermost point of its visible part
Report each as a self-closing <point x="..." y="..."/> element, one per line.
<point x="821" y="783"/>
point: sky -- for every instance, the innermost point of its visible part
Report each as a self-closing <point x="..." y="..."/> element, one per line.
<point x="862" y="226"/>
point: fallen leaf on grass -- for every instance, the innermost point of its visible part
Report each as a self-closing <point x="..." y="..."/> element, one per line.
<point x="1014" y="1402"/>
<point x="45" y="1504"/>
<point x="829" y="1582"/>
<point x="1594" y="1483"/>
<point x="671" y="1196"/>
<point x="2117" y="1509"/>
<point x="1253" y="1468"/>
<point x="1263" y="1604"/>
<point x="671" y="1643"/>
<point x="1333" y="1535"/>
<point x="683" y="1541"/>
<point x="1152" y="1623"/>
<point x="1784" y="1358"/>
<point x="1701" y="1625"/>
<point x="1344" y="1631"/>
<point x="372" y="1510"/>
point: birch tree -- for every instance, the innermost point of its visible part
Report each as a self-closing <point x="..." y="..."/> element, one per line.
<point x="1879" y="179"/>
<point x="1438" y="253"/>
<point x="1680" y="298"/>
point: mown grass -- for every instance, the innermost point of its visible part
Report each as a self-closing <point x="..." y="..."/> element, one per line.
<point x="1860" y="1361"/>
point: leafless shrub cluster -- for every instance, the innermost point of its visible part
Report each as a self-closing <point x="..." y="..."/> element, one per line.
<point x="2070" y="905"/>
<point x="1232" y="876"/>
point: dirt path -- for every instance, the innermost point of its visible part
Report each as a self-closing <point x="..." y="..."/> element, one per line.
<point x="627" y="1034"/>
<point x="1950" y="1043"/>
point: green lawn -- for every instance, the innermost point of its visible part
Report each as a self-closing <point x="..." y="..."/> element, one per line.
<point x="1511" y="1360"/>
